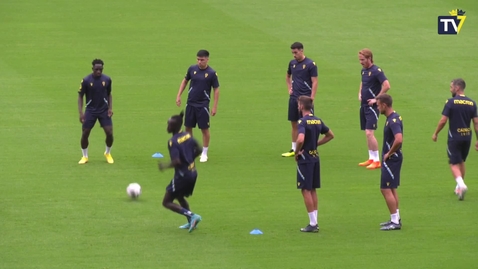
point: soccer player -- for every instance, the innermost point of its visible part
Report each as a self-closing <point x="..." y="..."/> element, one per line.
<point x="374" y="82"/>
<point x="391" y="160"/>
<point x="183" y="150"/>
<point x="99" y="106"/>
<point x="301" y="79"/>
<point x="308" y="163"/>
<point x="202" y="78"/>
<point x="460" y="110"/>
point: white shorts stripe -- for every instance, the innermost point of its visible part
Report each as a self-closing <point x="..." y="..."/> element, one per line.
<point x="375" y="113"/>
<point x="388" y="170"/>
<point x="300" y="173"/>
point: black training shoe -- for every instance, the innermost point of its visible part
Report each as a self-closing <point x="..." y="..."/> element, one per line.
<point x="389" y="222"/>
<point x="391" y="226"/>
<point x="310" y="229"/>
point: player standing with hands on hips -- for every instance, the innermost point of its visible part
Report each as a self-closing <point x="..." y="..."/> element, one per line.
<point x="301" y="80"/>
<point x="202" y="78"/>
<point x="99" y="106"/>
<point x="374" y="82"/>
<point x="391" y="160"/>
<point x="308" y="163"/>
<point x="460" y="110"/>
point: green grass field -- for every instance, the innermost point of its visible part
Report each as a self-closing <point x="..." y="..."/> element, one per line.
<point x="55" y="213"/>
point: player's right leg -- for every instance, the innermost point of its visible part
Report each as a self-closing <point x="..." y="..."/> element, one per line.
<point x="168" y="201"/>
<point x="363" y="122"/>
<point x="88" y="124"/>
<point x="369" y="120"/>
<point x="305" y="182"/>
<point x="293" y="117"/>
<point x="457" y="155"/>
<point x="184" y="204"/>
<point x="84" y="145"/>
<point x="389" y="182"/>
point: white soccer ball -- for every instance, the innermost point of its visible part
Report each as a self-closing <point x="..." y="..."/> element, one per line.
<point x="133" y="190"/>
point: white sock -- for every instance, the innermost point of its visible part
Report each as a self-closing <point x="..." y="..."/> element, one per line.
<point x="293" y="146"/>
<point x="460" y="182"/>
<point x="312" y="220"/>
<point x="204" y="151"/>
<point x="370" y="154"/>
<point x="108" y="150"/>
<point x="398" y="214"/>
<point x="375" y="156"/>
<point x="85" y="152"/>
<point x="394" y="218"/>
<point x="315" y="216"/>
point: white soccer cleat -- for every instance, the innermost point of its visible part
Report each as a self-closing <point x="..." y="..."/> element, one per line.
<point x="203" y="159"/>
<point x="461" y="193"/>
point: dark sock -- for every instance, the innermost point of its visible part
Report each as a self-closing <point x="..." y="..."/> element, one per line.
<point x="187" y="213"/>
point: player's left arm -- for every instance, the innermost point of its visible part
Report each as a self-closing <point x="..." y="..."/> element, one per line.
<point x="396" y="144"/>
<point x="314" y="78"/>
<point x="385" y="85"/>
<point x="475" y="124"/>
<point x="396" y="128"/>
<point x="215" y="86"/>
<point x="383" y="81"/>
<point x="110" y="99"/>
<point x="328" y="135"/>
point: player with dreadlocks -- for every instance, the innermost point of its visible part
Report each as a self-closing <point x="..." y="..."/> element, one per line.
<point x="183" y="150"/>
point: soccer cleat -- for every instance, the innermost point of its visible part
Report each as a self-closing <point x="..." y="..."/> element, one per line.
<point x="290" y="153"/>
<point x="109" y="158"/>
<point x="310" y="229"/>
<point x="366" y="163"/>
<point x="389" y="222"/>
<point x="83" y="160"/>
<point x="195" y="219"/>
<point x="391" y="226"/>
<point x="460" y="192"/>
<point x="185" y="226"/>
<point x="374" y="165"/>
<point x="203" y="159"/>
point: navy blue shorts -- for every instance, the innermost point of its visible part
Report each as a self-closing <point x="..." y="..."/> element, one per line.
<point x="196" y="115"/>
<point x="390" y="178"/>
<point x="294" y="113"/>
<point x="91" y="117"/>
<point x="458" y="151"/>
<point x="369" y="117"/>
<point x="308" y="175"/>
<point x="182" y="186"/>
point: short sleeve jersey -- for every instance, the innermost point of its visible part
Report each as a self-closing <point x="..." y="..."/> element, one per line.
<point x="201" y="83"/>
<point x="97" y="90"/>
<point x="460" y="110"/>
<point x="393" y="126"/>
<point x="302" y="73"/>
<point x="182" y="147"/>
<point x="372" y="79"/>
<point x="312" y="127"/>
